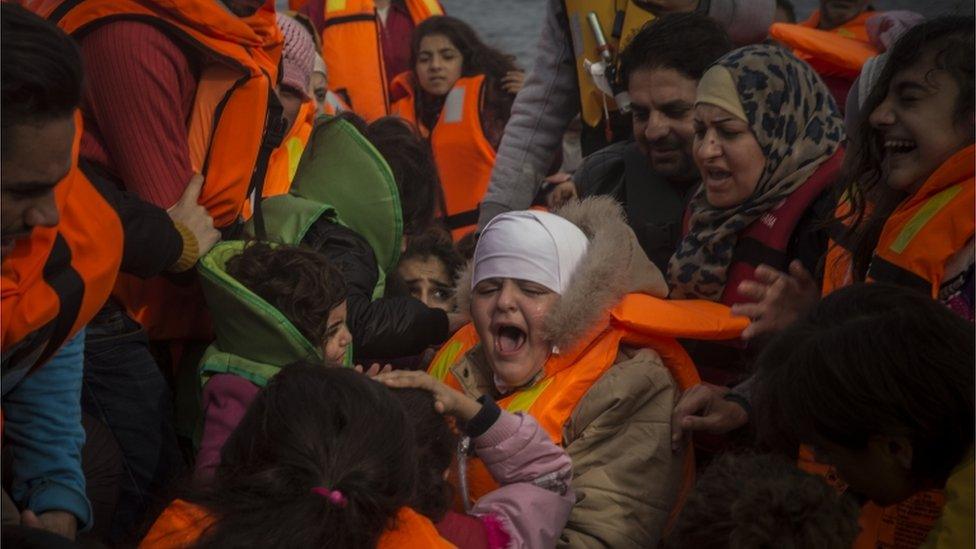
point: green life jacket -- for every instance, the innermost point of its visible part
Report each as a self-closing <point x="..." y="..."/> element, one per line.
<point x="340" y="176"/>
<point x="254" y="339"/>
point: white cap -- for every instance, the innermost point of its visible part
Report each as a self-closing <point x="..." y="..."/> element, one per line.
<point x="536" y="246"/>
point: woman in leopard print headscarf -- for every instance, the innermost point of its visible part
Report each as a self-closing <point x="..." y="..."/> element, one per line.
<point x="764" y="123"/>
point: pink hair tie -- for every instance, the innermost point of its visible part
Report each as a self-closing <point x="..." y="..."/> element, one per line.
<point x="334" y="496"/>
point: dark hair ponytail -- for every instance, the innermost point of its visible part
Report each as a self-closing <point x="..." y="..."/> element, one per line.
<point x="312" y="426"/>
<point x="436" y="444"/>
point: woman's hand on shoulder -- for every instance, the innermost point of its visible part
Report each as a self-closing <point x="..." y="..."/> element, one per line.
<point x="446" y="400"/>
<point x="778" y="298"/>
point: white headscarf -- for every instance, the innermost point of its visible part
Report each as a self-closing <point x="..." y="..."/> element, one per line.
<point x="536" y="246"/>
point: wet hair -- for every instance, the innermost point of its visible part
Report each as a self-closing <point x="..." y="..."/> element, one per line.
<point x="746" y="501"/>
<point x="41" y="74"/>
<point x="478" y="57"/>
<point x="436" y="243"/>
<point x="300" y="282"/>
<point x="951" y="40"/>
<point x="873" y="359"/>
<point x="312" y="427"/>
<point x="686" y="42"/>
<point x="436" y="444"/>
<point x="412" y="163"/>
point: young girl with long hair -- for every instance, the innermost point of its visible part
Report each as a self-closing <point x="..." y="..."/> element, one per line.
<point x="459" y="94"/>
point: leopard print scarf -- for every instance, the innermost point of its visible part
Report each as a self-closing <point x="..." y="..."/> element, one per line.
<point x="795" y="120"/>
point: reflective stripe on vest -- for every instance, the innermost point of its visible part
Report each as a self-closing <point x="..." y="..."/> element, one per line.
<point x="284" y="160"/>
<point x="353" y="56"/>
<point x="639" y="321"/>
<point x="767" y="239"/>
<point x="463" y="155"/>
<point x="626" y="15"/>
<point x="917" y="240"/>
<point x="55" y="280"/>
<point x="921" y="235"/>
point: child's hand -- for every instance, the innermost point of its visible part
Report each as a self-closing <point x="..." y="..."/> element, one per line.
<point x="373" y="370"/>
<point x="446" y="399"/>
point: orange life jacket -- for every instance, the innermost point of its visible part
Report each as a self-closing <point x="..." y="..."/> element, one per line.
<point x="55" y="280"/>
<point x="229" y="134"/>
<point x="353" y="55"/>
<point x="463" y="154"/>
<point x="183" y="523"/>
<point x="639" y="321"/>
<point x="917" y="240"/>
<point x="837" y="52"/>
<point x="921" y="235"/>
<point x="284" y="160"/>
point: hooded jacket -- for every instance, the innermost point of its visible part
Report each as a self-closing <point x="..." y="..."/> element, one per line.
<point x="618" y="434"/>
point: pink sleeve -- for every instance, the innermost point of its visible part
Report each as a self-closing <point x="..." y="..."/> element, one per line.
<point x="226" y="398"/>
<point x="535" y="477"/>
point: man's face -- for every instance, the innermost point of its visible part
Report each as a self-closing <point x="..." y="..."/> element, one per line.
<point x="662" y="102"/>
<point x="834" y="13"/>
<point x="243" y="8"/>
<point x="36" y="159"/>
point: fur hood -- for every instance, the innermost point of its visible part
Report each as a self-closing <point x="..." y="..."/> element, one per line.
<point x="614" y="265"/>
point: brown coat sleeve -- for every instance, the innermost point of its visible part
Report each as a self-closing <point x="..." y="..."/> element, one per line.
<point x="625" y="477"/>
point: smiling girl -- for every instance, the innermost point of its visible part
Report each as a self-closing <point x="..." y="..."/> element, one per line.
<point x="459" y="94"/>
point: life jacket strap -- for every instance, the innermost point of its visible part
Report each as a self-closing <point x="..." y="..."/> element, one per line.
<point x="462" y="219"/>
<point x="882" y="270"/>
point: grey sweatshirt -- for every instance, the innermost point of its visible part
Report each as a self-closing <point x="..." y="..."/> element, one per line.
<point x="550" y="100"/>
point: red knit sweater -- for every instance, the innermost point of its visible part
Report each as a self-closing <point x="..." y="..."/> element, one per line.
<point x="139" y="89"/>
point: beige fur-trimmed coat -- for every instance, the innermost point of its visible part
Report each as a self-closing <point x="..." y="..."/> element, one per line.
<point x="625" y="476"/>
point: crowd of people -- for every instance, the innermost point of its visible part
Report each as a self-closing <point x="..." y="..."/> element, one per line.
<point x="323" y="278"/>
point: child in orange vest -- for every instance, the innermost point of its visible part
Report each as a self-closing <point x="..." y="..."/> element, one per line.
<point x="906" y="216"/>
<point x="531" y="506"/>
<point x="324" y="457"/>
<point x="879" y="381"/>
<point x="459" y="94"/>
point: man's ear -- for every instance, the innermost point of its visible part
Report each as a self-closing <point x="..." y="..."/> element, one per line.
<point x="895" y="448"/>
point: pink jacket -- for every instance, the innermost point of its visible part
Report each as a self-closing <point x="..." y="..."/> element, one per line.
<point x="535" y="475"/>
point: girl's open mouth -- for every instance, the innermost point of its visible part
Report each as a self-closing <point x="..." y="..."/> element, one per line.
<point x="509" y="339"/>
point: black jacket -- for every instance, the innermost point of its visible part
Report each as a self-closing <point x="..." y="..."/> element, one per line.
<point x="388" y="327"/>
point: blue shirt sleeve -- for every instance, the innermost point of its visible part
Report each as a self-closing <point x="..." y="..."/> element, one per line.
<point x="42" y="426"/>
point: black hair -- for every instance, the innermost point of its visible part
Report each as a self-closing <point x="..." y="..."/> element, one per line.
<point x="41" y="74"/>
<point x="412" y="163"/>
<point x="436" y="443"/>
<point x="951" y="38"/>
<point x="312" y="426"/>
<point x="873" y="359"/>
<point x="298" y="281"/>
<point x="686" y="42"/>
<point x="435" y="242"/>
<point x="745" y="501"/>
<point x="479" y="58"/>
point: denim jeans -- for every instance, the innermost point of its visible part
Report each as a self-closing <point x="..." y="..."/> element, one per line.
<point x="125" y="390"/>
